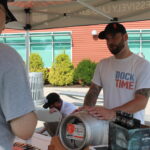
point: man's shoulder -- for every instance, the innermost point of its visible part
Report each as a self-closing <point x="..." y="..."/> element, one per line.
<point x="68" y="104"/>
<point x="140" y="65"/>
<point x="5" y="47"/>
<point x="8" y="51"/>
<point x="67" y="108"/>
<point x="141" y="61"/>
<point x="9" y="59"/>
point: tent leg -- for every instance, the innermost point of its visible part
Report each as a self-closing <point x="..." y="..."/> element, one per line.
<point x="27" y="50"/>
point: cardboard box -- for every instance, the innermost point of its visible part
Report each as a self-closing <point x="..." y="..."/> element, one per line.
<point x="121" y="138"/>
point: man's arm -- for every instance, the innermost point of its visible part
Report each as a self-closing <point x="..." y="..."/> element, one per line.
<point x="92" y="95"/>
<point x="24" y="126"/>
<point x="138" y="103"/>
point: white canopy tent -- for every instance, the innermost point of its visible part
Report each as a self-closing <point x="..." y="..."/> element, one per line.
<point x="36" y="14"/>
<point x="46" y="14"/>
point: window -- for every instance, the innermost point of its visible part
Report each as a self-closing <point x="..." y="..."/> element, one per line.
<point x="62" y="44"/>
<point x="45" y="51"/>
<point x="139" y="42"/>
<point x="17" y="41"/>
<point x="50" y="45"/>
<point x="47" y="44"/>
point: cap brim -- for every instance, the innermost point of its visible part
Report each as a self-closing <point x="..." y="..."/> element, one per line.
<point x="9" y="16"/>
<point x="102" y="35"/>
<point x="46" y="105"/>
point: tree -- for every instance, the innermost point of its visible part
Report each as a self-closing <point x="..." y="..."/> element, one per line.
<point x="36" y="63"/>
<point x="84" y="72"/>
<point x="61" y="72"/>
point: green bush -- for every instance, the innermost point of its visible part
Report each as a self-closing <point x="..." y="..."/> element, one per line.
<point x="45" y="75"/>
<point x="84" y="72"/>
<point x="61" y="72"/>
<point x="36" y="63"/>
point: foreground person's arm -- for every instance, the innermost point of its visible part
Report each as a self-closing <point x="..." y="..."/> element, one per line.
<point x="24" y="126"/>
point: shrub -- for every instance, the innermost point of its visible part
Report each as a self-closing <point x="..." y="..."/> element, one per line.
<point x="84" y="72"/>
<point x="61" y="72"/>
<point x="45" y="75"/>
<point x="36" y="63"/>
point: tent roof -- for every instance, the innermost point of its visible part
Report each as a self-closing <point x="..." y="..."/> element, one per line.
<point x="66" y="13"/>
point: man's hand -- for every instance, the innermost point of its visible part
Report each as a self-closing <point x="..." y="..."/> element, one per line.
<point x="98" y="112"/>
<point x="101" y="113"/>
<point x="81" y="109"/>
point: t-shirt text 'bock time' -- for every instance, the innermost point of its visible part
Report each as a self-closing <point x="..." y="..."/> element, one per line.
<point x="125" y="80"/>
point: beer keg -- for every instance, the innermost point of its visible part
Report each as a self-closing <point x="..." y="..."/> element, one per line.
<point x="81" y="129"/>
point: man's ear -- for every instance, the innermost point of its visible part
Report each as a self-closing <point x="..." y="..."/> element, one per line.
<point x="126" y="37"/>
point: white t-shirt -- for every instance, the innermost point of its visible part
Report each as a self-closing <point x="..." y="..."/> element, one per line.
<point x="67" y="108"/>
<point x="120" y="78"/>
<point x="15" y="95"/>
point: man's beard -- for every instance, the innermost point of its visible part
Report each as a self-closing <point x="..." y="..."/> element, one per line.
<point x="118" y="48"/>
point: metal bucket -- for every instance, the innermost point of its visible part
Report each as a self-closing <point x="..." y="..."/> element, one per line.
<point x="81" y="129"/>
<point x="36" y="85"/>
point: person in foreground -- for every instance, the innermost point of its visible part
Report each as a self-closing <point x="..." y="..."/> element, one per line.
<point x="16" y="106"/>
<point x="55" y="103"/>
<point x="124" y="78"/>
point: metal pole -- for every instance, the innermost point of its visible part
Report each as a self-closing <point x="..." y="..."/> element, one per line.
<point x="27" y="50"/>
<point x="27" y="28"/>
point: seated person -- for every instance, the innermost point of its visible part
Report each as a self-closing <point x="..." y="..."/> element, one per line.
<point x="55" y="103"/>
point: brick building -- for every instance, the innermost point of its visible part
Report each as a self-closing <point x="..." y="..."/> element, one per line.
<point x="78" y="42"/>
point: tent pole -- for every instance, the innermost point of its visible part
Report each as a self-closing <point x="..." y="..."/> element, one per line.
<point x="27" y="50"/>
<point x="27" y="28"/>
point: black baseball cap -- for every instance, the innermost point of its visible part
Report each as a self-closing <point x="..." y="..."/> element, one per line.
<point x="112" y="28"/>
<point x="9" y="16"/>
<point x="51" y="99"/>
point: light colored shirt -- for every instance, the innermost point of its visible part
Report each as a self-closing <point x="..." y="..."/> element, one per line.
<point x="120" y="78"/>
<point x="15" y="95"/>
<point x="67" y="108"/>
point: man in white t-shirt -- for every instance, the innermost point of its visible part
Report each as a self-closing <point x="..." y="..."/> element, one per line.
<point x="124" y="78"/>
<point x="55" y="103"/>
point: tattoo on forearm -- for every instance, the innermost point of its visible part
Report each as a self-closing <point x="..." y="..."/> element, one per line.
<point x="145" y="92"/>
<point x="91" y="96"/>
